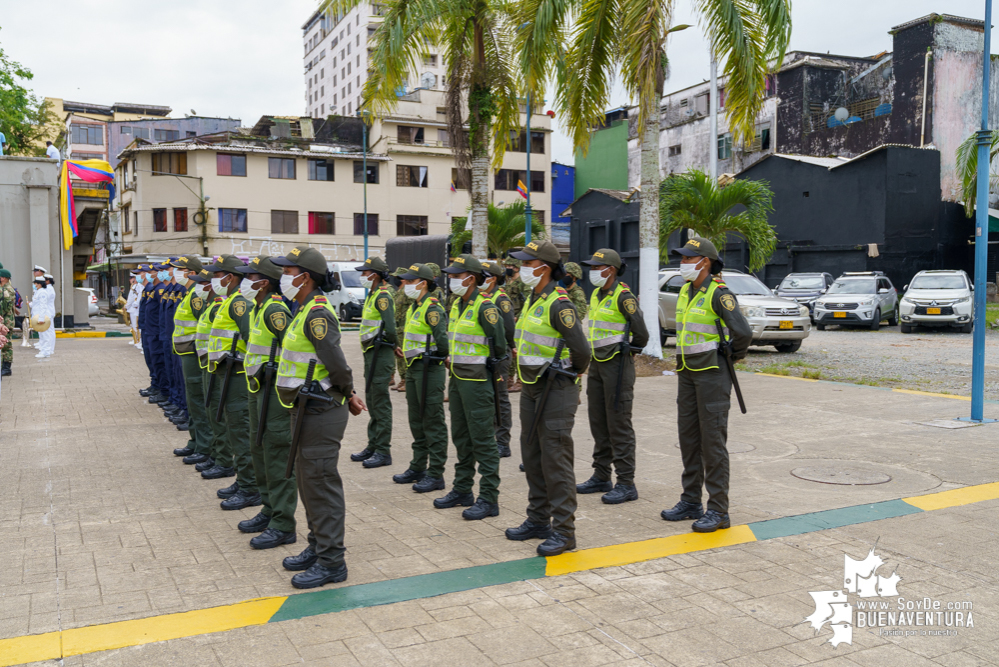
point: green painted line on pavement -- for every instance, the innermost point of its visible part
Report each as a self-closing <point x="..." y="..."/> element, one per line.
<point x="409" y="588"/>
<point x="837" y="518"/>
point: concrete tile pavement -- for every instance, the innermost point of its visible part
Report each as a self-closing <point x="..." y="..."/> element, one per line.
<point x="102" y="524"/>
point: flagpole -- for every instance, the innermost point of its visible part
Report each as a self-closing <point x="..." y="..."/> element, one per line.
<point x="527" y="179"/>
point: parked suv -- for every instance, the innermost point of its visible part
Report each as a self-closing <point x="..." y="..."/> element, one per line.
<point x="775" y="321"/>
<point x="938" y="299"/>
<point x="349" y="299"/>
<point x="804" y="287"/>
<point x="859" y="298"/>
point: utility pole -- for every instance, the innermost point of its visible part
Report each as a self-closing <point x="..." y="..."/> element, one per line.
<point x="713" y="122"/>
<point x="527" y="179"/>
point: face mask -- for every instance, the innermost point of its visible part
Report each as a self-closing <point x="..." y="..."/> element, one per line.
<point x="509" y="272"/>
<point x="287" y="286"/>
<point x="163" y="276"/>
<point x="201" y="290"/>
<point x="217" y="286"/>
<point x="458" y="286"/>
<point x="139" y="279"/>
<point x="529" y="276"/>
<point x="489" y="286"/>
<point x="690" y="271"/>
<point x="367" y="282"/>
<point x="34" y="286"/>
<point x="180" y="275"/>
<point x="566" y="282"/>
<point x="412" y="291"/>
<point x="597" y="279"/>
<point x="246" y="289"/>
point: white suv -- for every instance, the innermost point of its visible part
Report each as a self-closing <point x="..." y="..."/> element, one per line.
<point x="938" y="299"/>
<point x="858" y="298"/>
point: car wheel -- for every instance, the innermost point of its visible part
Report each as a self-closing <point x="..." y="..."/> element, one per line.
<point x="820" y="326"/>
<point x="662" y="337"/>
<point x="906" y="328"/>
<point x="876" y="320"/>
<point x="893" y="319"/>
<point x="968" y="328"/>
<point x="787" y="348"/>
<point x="344" y="314"/>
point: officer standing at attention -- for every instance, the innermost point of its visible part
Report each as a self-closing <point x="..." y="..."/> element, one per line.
<point x="573" y="274"/>
<point x="616" y="324"/>
<point x="493" y="286"/>
<point x="401" y="305"/>
<point x="378" y="340"/>
<point x="703" y="383"/>
<point x="548" y="325"/>
<point x="165" y="339"/>
<point x="185" y="327"/>
<point x="219" y="462"/>
<point x="152" y="316"/>
<point x="426" y="331"/>
<point x="269" y="320"/>
<point x="314" y="336"/>
<point x="177" y="293"/>
<point x="202" y="433"/>
<point x="475" y="337"/>
<point x="232" y="321"/>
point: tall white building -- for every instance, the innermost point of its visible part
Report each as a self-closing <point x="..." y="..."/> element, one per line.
<point x="336" y="61"/>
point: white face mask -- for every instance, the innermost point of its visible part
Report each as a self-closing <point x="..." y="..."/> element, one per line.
<point x="690" y="271"/>
<point x="367" y="282"/>
<point x="412" y="291"/>
<point x="287" y="286"/>
<point x="597" y="278"/>
<point x="201" y="290"/>
<point x="529" y="276"/>
<point x="217" y="286"/>
<point x="180" y="275"/>
<point x="247" y="291"/>
<point x="489" y="286"/>
<point x="457" y="286"/>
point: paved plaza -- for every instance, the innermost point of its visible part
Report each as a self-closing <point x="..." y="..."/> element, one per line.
<point x="100" y="525"/>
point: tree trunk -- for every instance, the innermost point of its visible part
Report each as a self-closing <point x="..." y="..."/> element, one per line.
<point x="648" y="228"/>
<point x="480" y="205"/>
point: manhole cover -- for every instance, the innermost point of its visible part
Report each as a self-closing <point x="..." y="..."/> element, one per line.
<point x="734" y="447"/>
<point x="844" y="476"/>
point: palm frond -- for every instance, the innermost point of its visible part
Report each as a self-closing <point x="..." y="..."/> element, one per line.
<point x="967" y="169"/>
<point x="540" y="29"/>
<point x="644" y="29"/>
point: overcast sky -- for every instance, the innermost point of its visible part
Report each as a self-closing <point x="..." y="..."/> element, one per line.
<point x="244" y="59"/>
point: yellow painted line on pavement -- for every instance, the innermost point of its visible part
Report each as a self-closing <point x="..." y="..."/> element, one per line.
<point x="955" y="497"/>
<point x="786" y="377"/>
<point x="635" y="552"/>
<point x="33" y="648"/>
<point x="930" y="393"/>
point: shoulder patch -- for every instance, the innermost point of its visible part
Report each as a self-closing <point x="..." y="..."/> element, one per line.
<point x="318" y="328"/>
<point x="505" y="305"/>
<point x="320" y="299"/>
<point x="197" y="302"/>
<point x="433" y="317"/>
<point x="728" y="301"/>
<point x="492" y="316"/>
<point x="277" y="297"/>
<point x="568" y="316"/>
<point x="382" y="303"/>
<point x="239" y="308"/>
<point x="279" y="320"/>
<point x="560" y="289"/>
<point x="630" y="306"/>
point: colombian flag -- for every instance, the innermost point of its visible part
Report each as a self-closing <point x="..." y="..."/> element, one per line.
<point x="91" y="171"/>
<point x="521" y="188"/>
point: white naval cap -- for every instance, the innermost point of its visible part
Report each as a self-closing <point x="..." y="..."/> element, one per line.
<point x="39" y="268"/>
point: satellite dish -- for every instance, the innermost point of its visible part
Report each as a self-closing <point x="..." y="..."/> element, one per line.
<point x="841" y="114"/>
<point x="886" y="73"/>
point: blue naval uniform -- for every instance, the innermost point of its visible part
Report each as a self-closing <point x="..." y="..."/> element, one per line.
<point x="156" y="319"/>
<point x="146" y="330"/>
<point x="179" y="396"/>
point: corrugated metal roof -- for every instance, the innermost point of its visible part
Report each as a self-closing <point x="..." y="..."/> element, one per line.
<point x="946" y="17"/>
<point x="827" y="162"/>
<point x="324" y="151"/>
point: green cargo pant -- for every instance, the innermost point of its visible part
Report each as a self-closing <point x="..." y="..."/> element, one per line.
<point x="237" y="426"/>
<point x="270" y="460"/>
<point x="702" y="404"/>
<point x="378" y="401"/>
<point x="200" y="431"/>
<point x="220" y="443"/>
<point x="505" y="412"/>
<point x="472" y="416"/>
<point x="428" y="428"/>
<point x="548" y="459"/>
<point x="613" y="435"/>
<point x="400" y="366"/>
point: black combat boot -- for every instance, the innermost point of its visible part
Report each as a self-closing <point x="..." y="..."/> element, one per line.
<point x="377" y="460"/>
<point x="594" y="485"/>
<point x="5" y="369"/>
<point x="362" y="455"/>
<point x="683" y="510"/>
<point x="480" y="510"/>
<point x="621" y="493"/>
<point x="711" y="521"/>
<point x="454" y="499"/>
<point x="529" y="530"/>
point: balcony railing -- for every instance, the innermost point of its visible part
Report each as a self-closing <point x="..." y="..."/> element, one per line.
<point x="424" y="144"/>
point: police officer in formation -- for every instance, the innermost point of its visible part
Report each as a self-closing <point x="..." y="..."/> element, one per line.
<point x="704" y="385"/>
<point x="551" y="353"/>
<point x="378" y="340"/>
<point x="495" y="276"/>
<point x="313" y="362"/>
<point x="475" y="340"/>
<point x="424" y="348"/>
<point x="184" y="328"/>
<point x="401" y="306"/>
<point x="616" y="325"/>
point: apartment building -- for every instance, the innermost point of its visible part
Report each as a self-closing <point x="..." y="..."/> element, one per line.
<point x="290" y="181"/>
<point x="336" y="61"/>
<point x="83" y="133"/>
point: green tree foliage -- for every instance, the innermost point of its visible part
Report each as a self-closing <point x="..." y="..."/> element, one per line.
<point x="694" y="201"/>
<point x="967" y="169"/>
<point x="23" y="116"/>
<point x="506" y="229"/>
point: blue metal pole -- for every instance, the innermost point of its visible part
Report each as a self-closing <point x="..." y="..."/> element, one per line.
<point x="527" y="179"/>
<point x="981" y="233"/>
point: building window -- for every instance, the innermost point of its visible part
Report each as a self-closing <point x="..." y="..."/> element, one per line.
<point x="372" y="224"/>
<point x="166" y="135"/>
<point x="125" y="219"/>
<point x="701" y="103"/>
<point x="284" y="222"/>
<point x="136" y="215"/>
<point x="281" y="167"/>
<point x="159" y="220"/>
<point x="321" y="170"/>
<point x="409" y="135"/>
<point x="321" y="223"/>
<point x="141" y="133"/>
<point x="411" y="225"/>
<point x="675" y="150"/>
<point x="721" y="99"/>
<point x="518" y="142"/>
<point x="724" y="146"/>
<point x="180" y="220"/>
<point x="87" y="156"/>
<point x="169" y="163"/>
<point x="232" y="219"/>
<point x="771" y="86"/>
<point x="461" y="179"/>
<point x="230" y="165"/>
<point x="443" y="138"/>
<point x="191" y="134"/>
<point x="359" y="172"/>
<point x="430" y="60"/>
<point x="88" y="134"/>
<point x="506" y="179"/>
<point x="410" y="177"/>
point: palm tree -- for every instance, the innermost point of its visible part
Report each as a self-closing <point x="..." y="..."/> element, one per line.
<point x="695" y="202"/>
<point x="629" y="36"/>
<point x="967" y="169"/>
<point x="476" y="38"/>
<point x="506" y="229"/>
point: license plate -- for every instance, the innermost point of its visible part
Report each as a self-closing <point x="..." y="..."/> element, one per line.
<point x="932" y="311"/>
<point x="839" y="314"/>
<point x="786" y="324"/>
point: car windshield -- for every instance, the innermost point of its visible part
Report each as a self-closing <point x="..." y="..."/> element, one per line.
<point x="852" y="287"/>
<point x="803" y="282"/>
<point x="350" y="278"/>
<point x="930" y="281"/>
<point x="744" y="285"/>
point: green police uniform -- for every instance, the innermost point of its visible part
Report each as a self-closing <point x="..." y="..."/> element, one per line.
<point x="378" y="323"/>
<point x="401" y="307"/>
<point x="185" y="325"/>
<point x="7" y="299"/>
<point x="505" y="305"/>
<point x="217" y="450"/>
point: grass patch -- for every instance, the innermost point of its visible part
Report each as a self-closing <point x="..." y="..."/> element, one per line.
<point x="799" y="364"/>
<point x="812" y="375"/>
<point x="775" y="369"/>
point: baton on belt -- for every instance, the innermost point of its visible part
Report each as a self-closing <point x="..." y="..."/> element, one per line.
<point x="726" y="346"/>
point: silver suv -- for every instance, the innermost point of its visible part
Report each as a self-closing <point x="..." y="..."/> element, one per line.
<point x="938" y="299"/>
<point x="863" y="298"/>
<point x="775" y="321"/>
